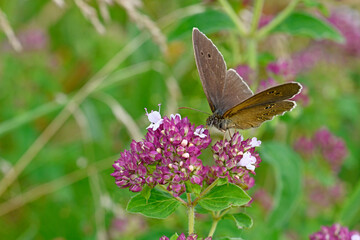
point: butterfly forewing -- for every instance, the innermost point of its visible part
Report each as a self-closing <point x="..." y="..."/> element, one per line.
<point x="271" y="95"/>
<point x="223" y="89"/>
<point x="252" y="117"/>
<point x="211" y="66"/>
<point x="234" y="91"/>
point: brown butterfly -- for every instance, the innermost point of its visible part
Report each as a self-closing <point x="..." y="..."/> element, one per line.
<point x="232" y="102"/>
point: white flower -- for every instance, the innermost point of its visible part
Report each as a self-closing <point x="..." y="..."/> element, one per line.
<point x="355" y="237"/>
<point x="155" y="119"/>
<point x="247" y="161"/>
<point x="200" y="132"/>
<point x="254" y="142"/>
<point x="172" y="116"/>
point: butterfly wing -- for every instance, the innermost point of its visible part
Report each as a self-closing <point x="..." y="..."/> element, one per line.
<point x="254" y="116"/>
<point x="274" y="94"/>
<point x="263" y="106"/>
<point x="223" y="89"/>
<point x="234" y="91"/>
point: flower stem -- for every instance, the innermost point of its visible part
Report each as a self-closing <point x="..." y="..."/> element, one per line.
<point x="205" y="191"/>
<point x="216" y="219"/>
<point x="263" y="32"/>
<point x="234" y="17"/>
<point x="252" y="53"/>
<point x="177" y="198"/>
<point x="256" y="15"/>
<point x="191" y="215"/>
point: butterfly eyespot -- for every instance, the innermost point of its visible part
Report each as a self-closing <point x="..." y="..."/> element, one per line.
<point x="202" y="53"/>
<point x="271" y="92"/>
<point x="209" y="55"/>
<point x="277" y="93"/>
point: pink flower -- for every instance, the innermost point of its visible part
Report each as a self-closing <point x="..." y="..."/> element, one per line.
<point x="168" y="156"/>
<point x="335" y="232"/>
<point x="235" y="159"/>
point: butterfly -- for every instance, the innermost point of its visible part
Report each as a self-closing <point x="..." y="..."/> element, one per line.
<point x="231" y="101"/>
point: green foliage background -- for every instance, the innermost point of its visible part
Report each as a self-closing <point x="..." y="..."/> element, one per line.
<point x="63" y="106"/>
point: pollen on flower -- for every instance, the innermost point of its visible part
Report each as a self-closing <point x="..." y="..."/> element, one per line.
<point x="184" y="142"/>
<point x="186" y="155"/>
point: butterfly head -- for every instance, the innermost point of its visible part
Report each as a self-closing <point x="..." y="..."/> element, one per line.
<point x="218" y="121"/>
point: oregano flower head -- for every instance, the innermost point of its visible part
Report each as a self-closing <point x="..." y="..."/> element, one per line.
<point x="169" y="156"/>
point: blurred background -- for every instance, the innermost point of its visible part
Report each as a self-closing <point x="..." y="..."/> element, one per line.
<point x="75" y="77"/>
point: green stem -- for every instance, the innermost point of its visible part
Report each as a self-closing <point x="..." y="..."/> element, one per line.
<point x="216" y="220"/>
<point x="263" y="32"/>
<point x="191" y="215"/>
<point x="234" y="17"/>
<point x="252" y="53"/>
<point x="177" y="198"/>
<point x="256" y="15"/>
<point x="205" y="191"/>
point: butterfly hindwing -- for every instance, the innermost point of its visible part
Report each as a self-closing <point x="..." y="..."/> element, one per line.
<point x="271" y="95"/>
<point x="253" y="117"/>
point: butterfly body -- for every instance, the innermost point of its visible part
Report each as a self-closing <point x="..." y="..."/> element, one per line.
<point x="231" y="100"/>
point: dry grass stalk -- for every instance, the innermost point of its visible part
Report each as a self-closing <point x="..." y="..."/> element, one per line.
<point x="144" y="21"/>
<point x="91" y="14"/>
<point x="4" y="24"/>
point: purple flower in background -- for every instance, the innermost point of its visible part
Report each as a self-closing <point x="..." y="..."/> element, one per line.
<point x="264" y="199"/>
<point x="305" y="146"/>
<point x="246" y="73"/>
<point x="265" y="84"/>
<point x="32" y="39"/>
<point x="235" y="159"/>
<point x="265" y="20"/>
<point x="282" y="68"/>
<point x="335" y="232"/>
<point x="347" y="21"/>
<point x="333" y="148"/>
<point x="322" y="197"/>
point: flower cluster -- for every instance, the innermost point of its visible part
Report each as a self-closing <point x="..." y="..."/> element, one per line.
<point x="347" y="21"/>
<point x="235" y="159"/>
<point x="321" y="197"/>
<point x="332" y="148"/>
<point x="183" y="237"/>
<point x="335" y="232"/>
<point x="168" y="156"/>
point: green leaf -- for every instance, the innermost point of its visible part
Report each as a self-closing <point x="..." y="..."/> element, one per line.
<point x="288" y="169"/>
<point x="241" y="220"/>
<point x="146" y="192"/>
<point x="222" y="181"/>
<point x="208" y="22"/>
<point x="224" y="196"/>
<point x="303" y="24"/>
<point x="316" y="4"/>
<point x="174" y="237"/>
<point x="159" y="205"/>
<point x="351" y="208"/>
<point x="193" y="188"/>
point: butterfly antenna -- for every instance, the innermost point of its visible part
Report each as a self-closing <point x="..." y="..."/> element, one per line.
<point x="194" y="110"/>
